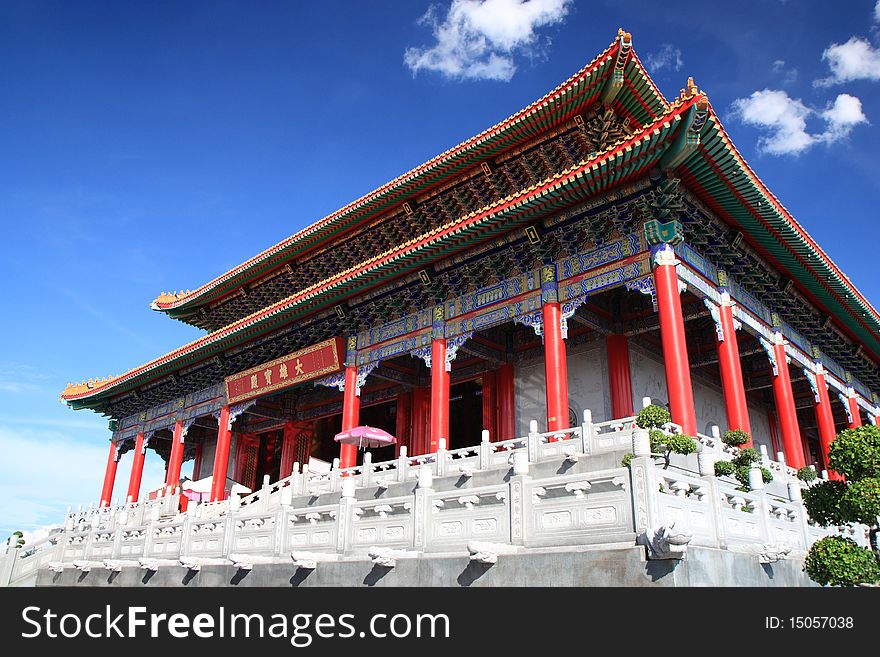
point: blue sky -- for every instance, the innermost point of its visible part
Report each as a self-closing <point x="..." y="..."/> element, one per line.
<point x="150" y="146"/>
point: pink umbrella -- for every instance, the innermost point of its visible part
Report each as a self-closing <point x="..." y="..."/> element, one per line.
<point x="365" y="436"/>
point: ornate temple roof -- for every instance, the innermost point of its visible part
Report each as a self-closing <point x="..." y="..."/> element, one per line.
<point x="685" y="134"/>
<point x="638" y="100"/>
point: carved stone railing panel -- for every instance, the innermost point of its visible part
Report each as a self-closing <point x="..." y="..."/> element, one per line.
<point x="578" y="508"/>
<point x="455" y="517"/>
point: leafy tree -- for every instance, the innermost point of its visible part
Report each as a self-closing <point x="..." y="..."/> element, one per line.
<point x="836" y="560"/>
<point x="735" y="437"/>
<point x="806" y="473"/>
<point x="740" y="465"/>
<point x="653" y="418"/>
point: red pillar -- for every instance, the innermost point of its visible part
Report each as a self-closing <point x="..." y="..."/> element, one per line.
<point x="221" y="456"/>
<point x="175" y="461"/>
<point x="675" y="356"/>
<point x="288" y="449"/>
<point x="439" y="395"/>
<point x="506" y="403"/>
<point x="109" y="476"/>
<point x="490" y="403"/>
<point x="785" y="409"/>
<point x="351" y="408"/>
<point x="825" y="420"/>
<point x="619" y="378"/>
<point x="731" y="373"/>
<point x="555" y="368"/>
<point x="855" y="412"/>
<point x="137" y="468"/>
<point x="421" y="411"/>
<point x="403" y="422"/>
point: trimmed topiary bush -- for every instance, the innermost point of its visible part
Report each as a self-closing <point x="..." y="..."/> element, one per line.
<point x="856" y="453"/>
<point x="806" y="473"/>
<point x="735" y="437"/>
<point x="839" y="561"/>
<point x="723" y="468"/>
<point x="652" y="417"/>
<point x="823" y="501"/>
<point x="861" y="501"/>
<point x="747" y="456"/>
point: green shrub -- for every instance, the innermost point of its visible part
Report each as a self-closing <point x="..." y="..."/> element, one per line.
<point x="626" y="461"/>
<point x="723" y="468"/>
<point x="806" y="473"/>
<point x="856" y="453"/>
<point x="658" y="439"/>
<point x="841" y="562"/>
<point x="681" y="444"/>
<point x="653" y="416"/>
<point x="747" y="456"/>
<point x="861" y="501"/>
<point x="735" y="437"/>
<point x="823" y="502"/>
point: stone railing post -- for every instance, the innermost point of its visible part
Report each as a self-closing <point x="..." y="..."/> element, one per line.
<point x="641" y="443"/>
<point x="706" y="460"/>
<point x="715" y="506"/>
<point x="334" y="476"/>
<point x="517" y="500"/>
<point x="485" y="450"/>
<point x="587" y="432"/>
<point x="762" y="508"/>
<point x="265" y="493"/>
<point x="440" y="456"/>
<point x="421" y="507"/>
<point x="367" y="470"/>
<point x="343" y="517"/>
<point x="402" y="464"/>
<point x="645" y="487"/>
<point x="533" y="441"/>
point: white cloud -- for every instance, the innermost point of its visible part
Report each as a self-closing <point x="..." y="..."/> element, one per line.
<point x="783" y="117"/>
<point x="877" y="12"/>
<point x="477" y="39"/>
<point x="43" y="472"/>
<point x="842" y="116"/>
<point x="856" y="59"/>
<point x="667" y="57"/>
<point x="783" y="120"/>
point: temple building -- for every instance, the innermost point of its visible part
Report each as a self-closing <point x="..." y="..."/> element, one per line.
<point x="600" y="246"/>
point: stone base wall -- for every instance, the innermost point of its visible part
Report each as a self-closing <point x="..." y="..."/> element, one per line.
<point x="620" y="566"/>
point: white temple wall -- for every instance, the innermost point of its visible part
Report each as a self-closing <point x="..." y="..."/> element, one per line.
<point x="588" y="387"/>
<point x="649" y="380"/>
<point x="208" y="449"/>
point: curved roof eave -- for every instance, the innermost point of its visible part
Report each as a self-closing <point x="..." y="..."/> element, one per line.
<point x="598" y="168"/>
<point x="782" y="234"/>
<point x="540" y="115"/>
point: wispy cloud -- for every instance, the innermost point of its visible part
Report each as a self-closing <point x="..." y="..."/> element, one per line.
<point x="783" y="120"/>
<point x="856" y="59"/>
<point x="668" y="56"/>
<point x="478" y="39"/>
<point x="43" y="472"/>
<point x="788" y="75"/>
